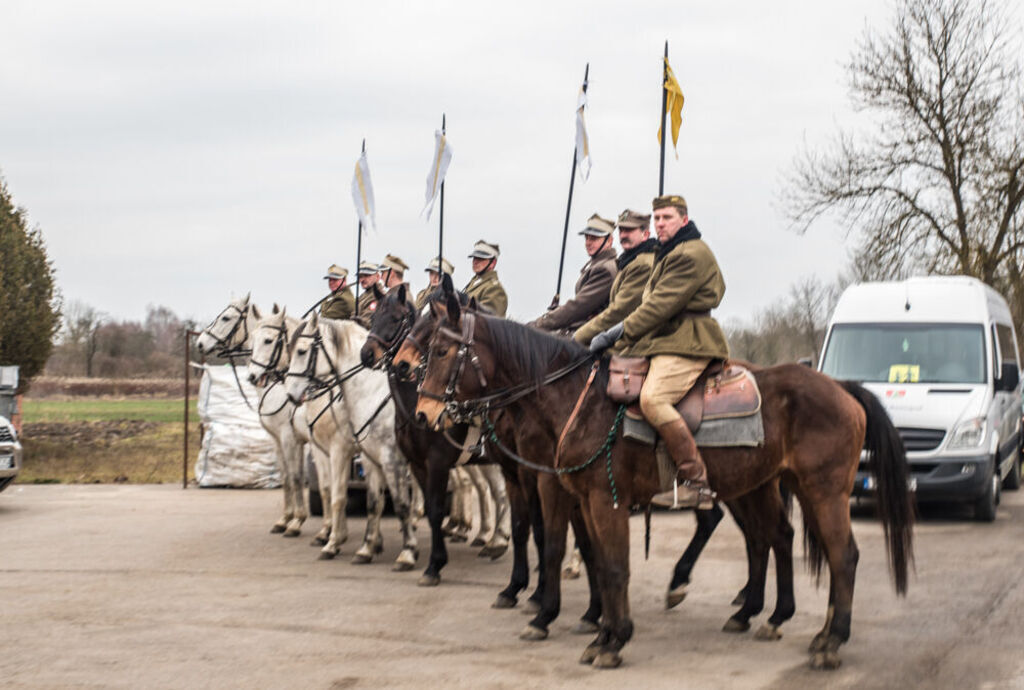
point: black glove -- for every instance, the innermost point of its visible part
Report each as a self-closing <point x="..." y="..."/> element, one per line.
<point x="602" y="341"/>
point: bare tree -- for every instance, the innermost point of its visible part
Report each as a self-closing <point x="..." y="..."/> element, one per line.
<point x="935" y="182"/>
<point x="81" y="327"/>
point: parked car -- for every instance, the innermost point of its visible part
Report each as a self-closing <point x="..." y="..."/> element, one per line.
<point x="10" y="453"/>
<point x="941" y="354"/>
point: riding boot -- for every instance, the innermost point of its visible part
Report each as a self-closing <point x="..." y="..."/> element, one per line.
<point x="691" y="489"/>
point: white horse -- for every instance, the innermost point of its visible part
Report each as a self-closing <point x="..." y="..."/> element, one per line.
<point x="239" y="332"/>
<point x="349" y="410"/>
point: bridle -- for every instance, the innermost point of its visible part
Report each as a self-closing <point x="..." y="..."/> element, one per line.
<point x="320" y="386"/>
<point x="224" y="349"/>
<point x="392" y="344"/>
<point x="271" y="368"/>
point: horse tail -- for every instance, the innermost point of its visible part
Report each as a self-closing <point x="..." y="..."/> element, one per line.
<point x="888" y="463"/>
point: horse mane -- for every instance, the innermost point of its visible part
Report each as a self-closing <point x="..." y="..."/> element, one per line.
<point x="346" y="334"/>
<point x="531" y="352"/>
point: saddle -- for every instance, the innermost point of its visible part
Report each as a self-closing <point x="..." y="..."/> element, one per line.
<point x="723" y="390"/>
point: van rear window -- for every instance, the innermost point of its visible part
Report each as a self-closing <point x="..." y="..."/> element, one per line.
<point x="906" y="353"/>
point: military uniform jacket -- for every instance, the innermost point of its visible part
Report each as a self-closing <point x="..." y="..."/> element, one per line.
<point x="340" y="305"/>
<point x="421" y="297"/>
<point x="367" y="305"/>
<point x="488" y="292"/>
<point x="626" y="293"/>
<point x="685" y="279"/>
<point x="592" y="290"/>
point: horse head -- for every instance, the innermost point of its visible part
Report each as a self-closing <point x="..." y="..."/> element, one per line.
<point x="230" y="331"/>
<point x="310" y="363"/>
<point x="270" y="346"/>
<point x="393" y="319"/>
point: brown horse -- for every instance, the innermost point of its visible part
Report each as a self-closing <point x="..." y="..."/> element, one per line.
<point x="814" y="427"/>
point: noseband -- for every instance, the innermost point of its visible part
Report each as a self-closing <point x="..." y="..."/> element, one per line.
<point x="223" y="347"/>
<point x="392" y="345"/>
<point x="271" y="367"/>
<point x="465" y="351"/>
<point x="316" y="384"/>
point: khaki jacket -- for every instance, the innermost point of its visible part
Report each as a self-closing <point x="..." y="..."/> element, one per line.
<point x="421" y="297"/>
<point x="686" y="279"/>
<point x="626" y="293"/>
<point x="340" y="305"/>
<point x="592" y="290"/>
<point x="367" y="305"/>
<point x="488" y="292"/>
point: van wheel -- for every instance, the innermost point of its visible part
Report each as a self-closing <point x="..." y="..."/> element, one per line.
<point x="985" y="506"/>
<point x="1012" y="481"/>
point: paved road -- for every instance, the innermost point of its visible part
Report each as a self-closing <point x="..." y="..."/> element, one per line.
<point x="152" y="586"/>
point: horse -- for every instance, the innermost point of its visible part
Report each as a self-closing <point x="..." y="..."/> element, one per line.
<point x="235" y="333"/>
<point x="350" y="410"/>
<point x="815" y="429"/>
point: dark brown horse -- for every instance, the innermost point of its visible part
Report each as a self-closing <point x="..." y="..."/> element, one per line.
<point x="815" y="429"/>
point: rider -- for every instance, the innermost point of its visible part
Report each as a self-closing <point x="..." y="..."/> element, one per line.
<point x="435" y="279"/>
<point x="634" y="268"/>
<point x="485" y="285"/>
<point x="594" y="282"/>
<point x="369" y="275"/>
<point x="341" y="304"/>
<point x="673" y="326"/>
<point x="392" y="271"/>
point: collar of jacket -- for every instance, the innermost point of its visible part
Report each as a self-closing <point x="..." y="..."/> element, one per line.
<point x="648" y="246"/>
<point x="606" y="254"/>
<point x="488" y="277"/>
<point x="686" y="233"/>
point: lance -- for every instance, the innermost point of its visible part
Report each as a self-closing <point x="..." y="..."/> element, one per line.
<point x="359" y="250"/>
<point x="568" y="208"/>
<point x="440" y="215"/>
<point x="664" y="134"/>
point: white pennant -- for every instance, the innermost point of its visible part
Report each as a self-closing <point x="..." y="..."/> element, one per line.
<point x="362" y="193"/>
<point x="438" y="169"/>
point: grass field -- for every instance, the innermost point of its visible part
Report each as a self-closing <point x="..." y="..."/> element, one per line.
<point x="90" y="440"/>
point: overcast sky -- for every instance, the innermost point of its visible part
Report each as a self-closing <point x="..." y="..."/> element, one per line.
<point x="174" y="153"/>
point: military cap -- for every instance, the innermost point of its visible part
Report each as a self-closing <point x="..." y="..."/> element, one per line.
<point x="630" y="219"/>
<point x="336" y="272"/>
<point x="368" y="268"/>
<point x="666" y="200"/>
<point x="446" y="266"/>
<point x="393" y="263"/>
<point x="598" y="227"/>
<point x="485" y="250"/>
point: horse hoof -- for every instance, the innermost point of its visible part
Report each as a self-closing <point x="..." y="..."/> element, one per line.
<point x="818" y="643"/>
<point x="496" y="552"/>
<point x="740" y="600"/>
<point x="361" y="558"/>
<point x="584" y="627"/>
<point x="590" y="653"/>
<point x="735" y="626"/>
<point x="531" y="608"/>
<point x="318" y="541"/>
<point x="457" y="538"/>
<point x="402" y="567"/>
<point x="429" y="580"/>
<point x="277" y="529"/>
<point x="532" y="633"/>
<point x="675" y="597"/>
<point x="504" y="602"/>
<point x="571" y="573"/>
<point x="477" y="542"/>
<point x="608" y="660"/>
<point x="327" y="555"/>
<point x="768" y="633"/>
<point x="292" y="533"/>
<point x="825" y="661"/>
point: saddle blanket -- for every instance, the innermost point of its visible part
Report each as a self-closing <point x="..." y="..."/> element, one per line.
<point x="712" y="433"/>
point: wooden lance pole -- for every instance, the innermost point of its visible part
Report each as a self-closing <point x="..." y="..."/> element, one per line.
<point x="664" y="133"/>
<point x="440" y="215"/>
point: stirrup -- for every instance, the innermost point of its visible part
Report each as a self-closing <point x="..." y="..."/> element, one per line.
<point x="696" y="495"/>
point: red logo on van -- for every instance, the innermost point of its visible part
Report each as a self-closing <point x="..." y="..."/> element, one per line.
<point x="895" y="393"/>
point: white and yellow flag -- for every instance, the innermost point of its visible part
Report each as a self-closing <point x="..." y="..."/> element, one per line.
<point x="673" y="105"/>
<point x="582" y="140"/>
<point x="438" y="169"/>
<point x="362" y="193"/>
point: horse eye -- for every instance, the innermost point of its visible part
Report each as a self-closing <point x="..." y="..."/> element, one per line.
<point x="225" y="318"/>
<point x="268" y="341"/>
<point x="302" y="352"/>
<point x="441" y="351"/>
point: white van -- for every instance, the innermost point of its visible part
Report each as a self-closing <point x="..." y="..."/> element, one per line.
<point x="941" y="354"/>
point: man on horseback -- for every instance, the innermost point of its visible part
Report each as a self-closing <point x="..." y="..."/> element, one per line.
<point x="633" y="270"/>
<point x="392" y="271"/>
<point x="341" y="304"/>
<point x="485" y="285"/>
<point x="369" y="275"/>
<point x="594" y="282"/>
<point x="434" y="274"/>
<point x="673" y="327"/>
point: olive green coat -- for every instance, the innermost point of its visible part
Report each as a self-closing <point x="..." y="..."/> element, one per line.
<point x="627" y="291"/>
<point x="686" y="279"/>
<point x="367" y="305"/>
<point x="488" y="292"/>
<point x="592" y="290"/>
<point x="340" y="305"/>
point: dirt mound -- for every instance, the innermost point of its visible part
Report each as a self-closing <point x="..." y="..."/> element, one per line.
<point x="87" y="432"/>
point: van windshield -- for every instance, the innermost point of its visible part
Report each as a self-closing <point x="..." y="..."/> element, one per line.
<point x="906" y="353"/>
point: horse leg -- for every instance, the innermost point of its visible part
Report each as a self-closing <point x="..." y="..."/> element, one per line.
<point x="832" y="520"/>
<point x="537" y="525"/>
<point x="707" y="521"/>
<point x="497" y="545"/>
<point x="321" y="463"/>
<point x="286" y="515"/>
<point x="785" y="604"/>
<point x="589" y="621"/>
<point x="461" y="518"/>
<point x="476" y="476"/>
<point x="341" y="452"/>
<point x="400" y="483"/>
<point x="373" y="541"/>
<point x="749" y="516"/>
<point x="556" y="505"/>
<point x="520" y="523"/>
<point x="436" y="483"/>
<point x="291" y="454"/>
<point x="608" y="527"/>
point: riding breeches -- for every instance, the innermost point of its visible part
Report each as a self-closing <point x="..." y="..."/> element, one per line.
<point x="669" y="378"/>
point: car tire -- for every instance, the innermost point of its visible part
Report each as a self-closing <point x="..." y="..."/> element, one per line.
<point x="316" y="506"/>
<point x="985" y="505"/>
<point x="1012" y="480"/>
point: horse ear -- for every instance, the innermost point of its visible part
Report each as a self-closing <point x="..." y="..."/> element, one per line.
<point x="378" y="292"/>
<point x="314" y="321"/>
<point x="402" y="292"/>
<point x="256" y="312"/>
<point x="246" y="300"/>
<point x="447" y="285"/>
<point x="275" y="309"/>
<point x="282" y="314"/>
<point x="473" y="304"/>
<point x="454" y="310"/>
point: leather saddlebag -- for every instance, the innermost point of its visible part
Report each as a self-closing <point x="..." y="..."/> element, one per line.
<point x="625" y="378"/>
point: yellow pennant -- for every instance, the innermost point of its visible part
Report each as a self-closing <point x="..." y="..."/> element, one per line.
<point x="673" y="105"/>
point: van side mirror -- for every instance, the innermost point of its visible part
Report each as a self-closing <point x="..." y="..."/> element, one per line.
<point x="1009" y="377"/>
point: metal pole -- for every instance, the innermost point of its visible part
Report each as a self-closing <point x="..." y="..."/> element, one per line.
<point x="359" y="250"/>
<point x="440" y="232"/>
<point x="188" y="365"/>
<point x="664" y="134"/>
<point x="568" y="208"/>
